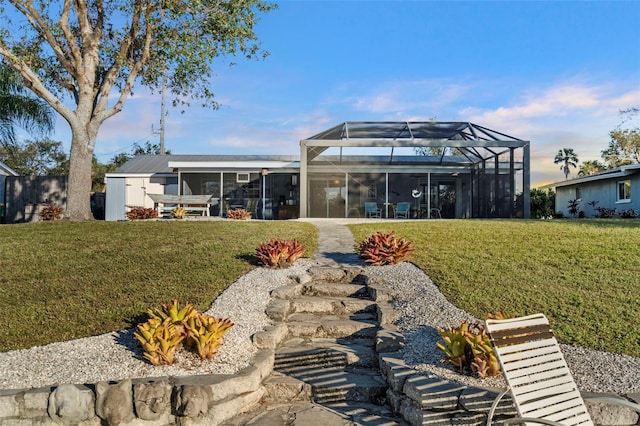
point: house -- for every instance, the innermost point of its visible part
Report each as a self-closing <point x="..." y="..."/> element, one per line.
<point x="617" y="189"/>
<point x="4" y="172"/>
<point x="462" y="170"/>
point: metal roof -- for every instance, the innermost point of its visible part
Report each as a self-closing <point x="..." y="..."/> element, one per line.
<point x="475" y="142"/>
<point x="6" y="170"/>
<point x="154" y="164"/>
<point x="411" y="130"/>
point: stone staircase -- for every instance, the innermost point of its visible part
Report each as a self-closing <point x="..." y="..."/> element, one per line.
<point x="327" y="354"/>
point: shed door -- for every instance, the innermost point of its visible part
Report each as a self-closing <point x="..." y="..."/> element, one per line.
<point x="115" y="200"/>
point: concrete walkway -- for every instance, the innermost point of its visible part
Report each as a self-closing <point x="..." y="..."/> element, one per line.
<point x="335" y="244"/>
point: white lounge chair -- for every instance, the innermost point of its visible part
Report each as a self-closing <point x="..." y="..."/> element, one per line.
<point x="538" y="378"/>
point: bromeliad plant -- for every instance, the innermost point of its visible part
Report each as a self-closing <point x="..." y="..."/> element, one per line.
<point x="279" y="253"/>
<point x="172" y="325"/>
<point x="204" y="333"/>
<point x="469" y="349"/>
<point x="51" y="212"/>
<point x="238" y="214"/>
<point x="384" y="249"/>
<point x="139" y="213"/>
<point x="179" y="213"/>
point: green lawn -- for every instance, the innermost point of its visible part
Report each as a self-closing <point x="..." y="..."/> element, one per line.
<point x="61" y="280"/>
<point x="583" y="274"/>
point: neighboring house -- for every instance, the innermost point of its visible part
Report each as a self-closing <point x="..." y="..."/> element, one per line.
<point x="617" y="189"/>
<point x="470" y="171"/>
<point x="4" y="172"/>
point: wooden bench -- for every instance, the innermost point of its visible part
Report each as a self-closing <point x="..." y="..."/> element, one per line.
<point x="191" y="203"/>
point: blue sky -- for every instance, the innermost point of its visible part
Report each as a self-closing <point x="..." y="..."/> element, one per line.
<point x="552" y="72"/>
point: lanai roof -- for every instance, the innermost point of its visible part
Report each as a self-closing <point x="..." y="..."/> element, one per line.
<point x="475" y="142"/>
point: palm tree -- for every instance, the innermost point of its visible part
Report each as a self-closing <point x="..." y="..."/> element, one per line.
<point x="567" y="157"/>
<point x="590" y="167"/>
<point x="19" y="109"/>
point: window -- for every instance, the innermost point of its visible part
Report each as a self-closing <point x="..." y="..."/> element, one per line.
<point x="578" y="193"/>
<point x="243" y="178"/>
<point x="624" y="191"/>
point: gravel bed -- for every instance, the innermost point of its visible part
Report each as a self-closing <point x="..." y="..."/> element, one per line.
<point x="115" y="356"/>
<point x="422" y="310"/>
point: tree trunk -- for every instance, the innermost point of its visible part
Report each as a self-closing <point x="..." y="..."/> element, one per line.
<point x="79" y="185"/>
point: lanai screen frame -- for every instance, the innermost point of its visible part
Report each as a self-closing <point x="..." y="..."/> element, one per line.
<point x="477" y="143"/>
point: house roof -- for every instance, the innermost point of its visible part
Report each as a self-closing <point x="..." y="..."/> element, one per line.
<point x="6" y="170"/>
<point x="159" y="164"/>
<point x="618" y="172"/>
<point x="467" y="144"/>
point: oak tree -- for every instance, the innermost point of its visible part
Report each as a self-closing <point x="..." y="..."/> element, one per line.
<point x="84" y="58"/>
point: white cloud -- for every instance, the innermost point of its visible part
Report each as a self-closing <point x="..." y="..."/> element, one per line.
<point x="402" y="99"/>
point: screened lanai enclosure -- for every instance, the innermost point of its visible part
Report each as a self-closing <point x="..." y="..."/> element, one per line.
<point x="353" y="170"/>
<point x="442" y="169"/>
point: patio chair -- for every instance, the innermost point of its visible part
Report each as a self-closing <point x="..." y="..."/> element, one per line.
<point x="538" y="378"/>
<point x="371" y="209"/>
<point x="402" y="210"/>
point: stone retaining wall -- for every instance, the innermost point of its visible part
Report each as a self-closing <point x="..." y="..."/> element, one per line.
<point x="191" y="400"/>
<point x="420" y="398"/>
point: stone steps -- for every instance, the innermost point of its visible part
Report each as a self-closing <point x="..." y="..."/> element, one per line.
<point x="329" y="352"/>
<point x="336" y="305"/>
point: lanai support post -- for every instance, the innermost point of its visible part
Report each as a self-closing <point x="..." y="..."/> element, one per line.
<point x="304" y="183"/>
<point x="512" y="183"/>
<point x="526" y="181"/>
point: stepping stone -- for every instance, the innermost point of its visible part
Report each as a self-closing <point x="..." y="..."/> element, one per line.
<point x="336" y="305"/>
<point x="346" y="386"/>
<point x="347" y="327"/>
<point x="335" y="290"/>
<point x="330" y="349"/>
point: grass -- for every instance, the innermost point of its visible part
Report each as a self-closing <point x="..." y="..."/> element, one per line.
<point x="583" y="274"/>
<point x="60" y="280"/>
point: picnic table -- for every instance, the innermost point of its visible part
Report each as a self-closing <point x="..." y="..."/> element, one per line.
<point x="191" y="203"/>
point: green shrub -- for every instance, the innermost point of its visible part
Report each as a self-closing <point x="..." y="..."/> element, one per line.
<point x="542" y="203"/>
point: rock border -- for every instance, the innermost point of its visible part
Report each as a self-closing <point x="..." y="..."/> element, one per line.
<point x="420" y="398"/>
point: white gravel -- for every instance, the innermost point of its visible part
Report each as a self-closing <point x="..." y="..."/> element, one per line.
<point x="115" y="356"/>
<point x="422" y="310"/>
